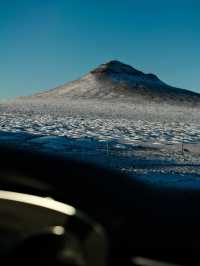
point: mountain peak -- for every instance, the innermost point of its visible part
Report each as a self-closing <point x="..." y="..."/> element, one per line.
<point x="117" y="67"/>
<point x="120" y="82"/>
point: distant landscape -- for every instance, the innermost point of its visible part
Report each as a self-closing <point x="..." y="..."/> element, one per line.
<point x="116" y="112"/>
<point x="118" y="82"/>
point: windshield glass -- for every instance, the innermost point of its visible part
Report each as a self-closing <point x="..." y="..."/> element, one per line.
<point x="114" y="83"/>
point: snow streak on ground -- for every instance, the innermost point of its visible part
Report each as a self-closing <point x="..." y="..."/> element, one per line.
<point x="150" y="141"/>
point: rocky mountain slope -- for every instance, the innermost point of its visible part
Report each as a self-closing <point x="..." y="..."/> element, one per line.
<point x="115" y="81"/>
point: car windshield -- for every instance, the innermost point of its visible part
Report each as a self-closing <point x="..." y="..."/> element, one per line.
<point x="114" y="83"/>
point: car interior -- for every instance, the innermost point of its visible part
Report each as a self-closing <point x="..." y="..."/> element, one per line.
<point x="58" y="211"/>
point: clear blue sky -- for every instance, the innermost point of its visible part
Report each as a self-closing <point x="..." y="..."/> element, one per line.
<point x="45" y="43"/>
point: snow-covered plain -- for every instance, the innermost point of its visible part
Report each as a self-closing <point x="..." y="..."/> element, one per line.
<point x="103" y="121"/>
<point x="150" y="140"/>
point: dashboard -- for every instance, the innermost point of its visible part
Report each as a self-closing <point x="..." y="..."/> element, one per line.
<point x="58" y="211"/>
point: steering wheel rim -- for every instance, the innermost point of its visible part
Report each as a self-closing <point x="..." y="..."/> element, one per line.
<point x="49" y="173"/>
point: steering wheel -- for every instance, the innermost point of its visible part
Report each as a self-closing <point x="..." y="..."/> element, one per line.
<point x="139" y="219"/>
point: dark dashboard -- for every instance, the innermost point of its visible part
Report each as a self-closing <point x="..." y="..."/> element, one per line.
<point x="138" y="224"/>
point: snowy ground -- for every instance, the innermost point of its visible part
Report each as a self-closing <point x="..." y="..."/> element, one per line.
<point x="159" y="143"/>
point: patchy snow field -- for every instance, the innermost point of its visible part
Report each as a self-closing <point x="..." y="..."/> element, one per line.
<point x="152" y="141"/>
<point x="103" y="121"/>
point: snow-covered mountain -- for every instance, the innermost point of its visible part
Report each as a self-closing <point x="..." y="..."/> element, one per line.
<point x="116" y="81"/>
